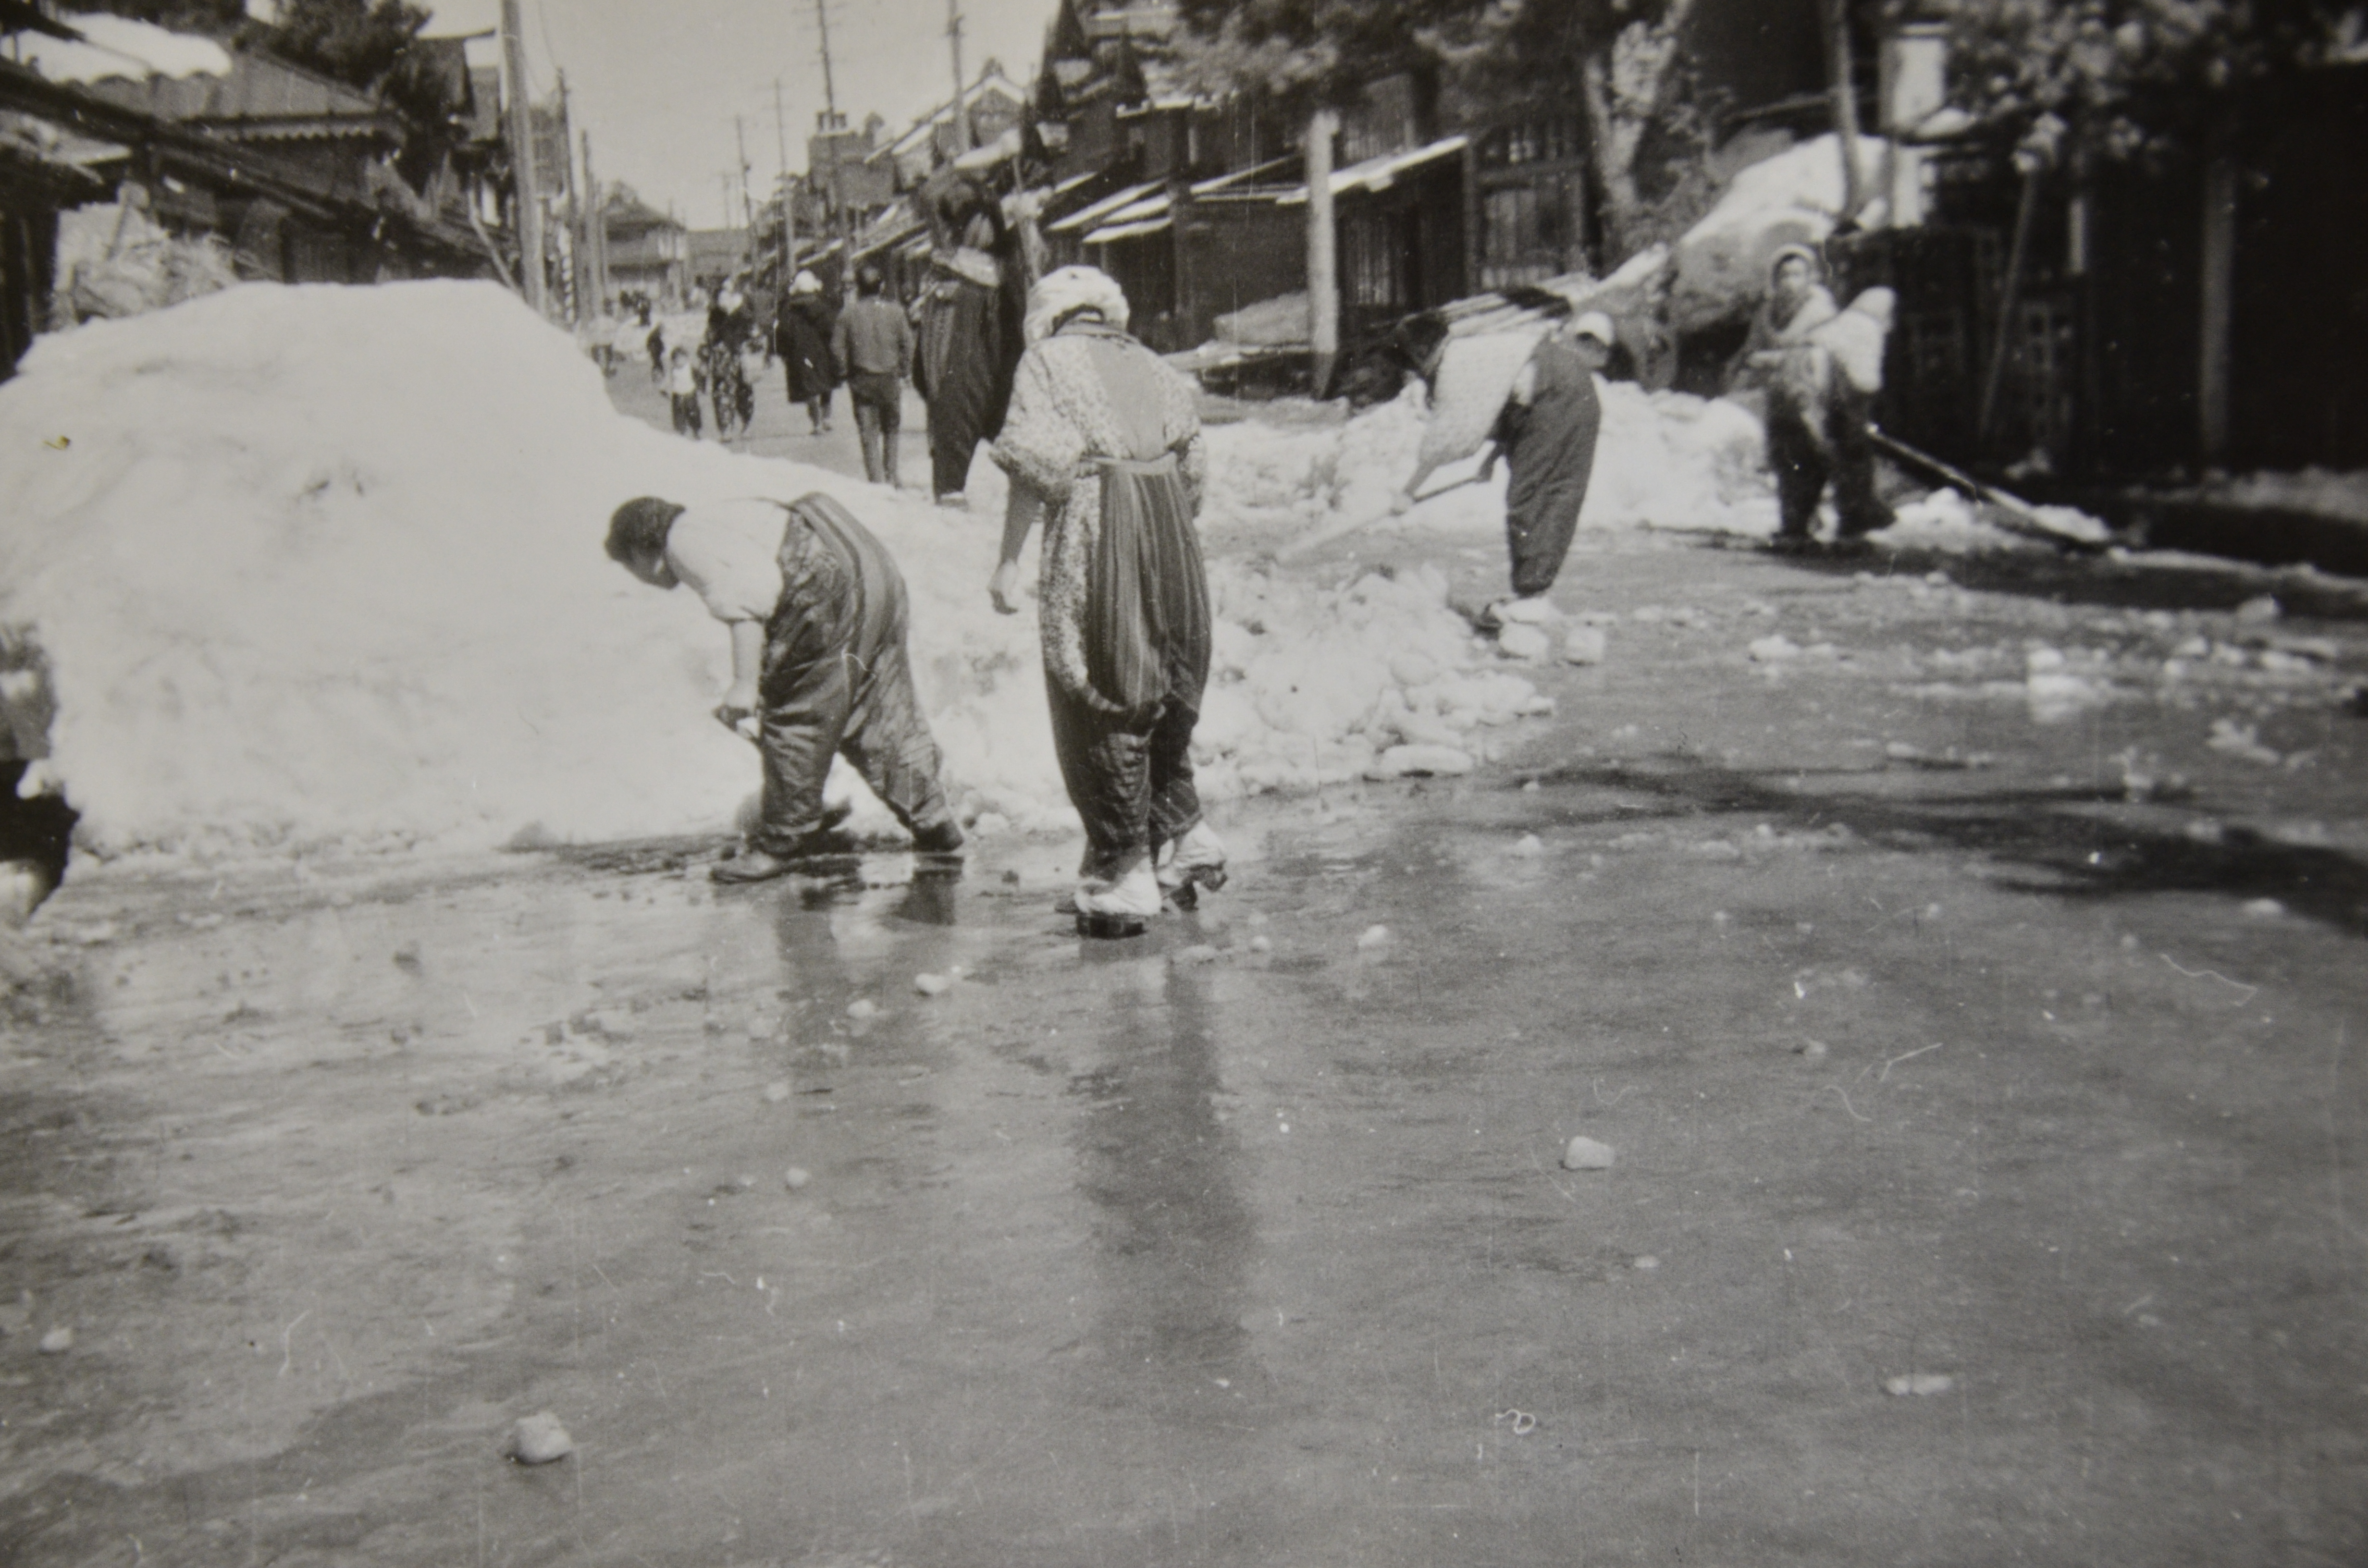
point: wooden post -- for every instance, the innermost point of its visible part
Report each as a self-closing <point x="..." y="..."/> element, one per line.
<point x="2218" y="306"/>
<point x="529" y="200"/>
<point x="1845" y="96"/>
<point x="578" y="278"/>
<point x="1323" y="262"/>
<point x="595" y="230"/>
<point x="2002" y="339"/>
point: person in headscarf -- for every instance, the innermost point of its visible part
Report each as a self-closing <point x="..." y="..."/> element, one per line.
<point x="802" y="337"/>
<point x="969" y="341"/>
<point x="1103" y="445"/>
<point x="816" y="611"/>
<point x="1819" y="367"/>
<point x="1535" y="401"/>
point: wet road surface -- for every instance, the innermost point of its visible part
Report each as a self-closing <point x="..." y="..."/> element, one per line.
<point x="1943" y="1040"/>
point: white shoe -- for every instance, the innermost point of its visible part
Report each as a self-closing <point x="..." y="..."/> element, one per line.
<point x="1134" y="896"/>
<point x="1197" y="858"/>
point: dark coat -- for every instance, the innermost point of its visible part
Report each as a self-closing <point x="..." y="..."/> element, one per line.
<point x="802" y="337"/>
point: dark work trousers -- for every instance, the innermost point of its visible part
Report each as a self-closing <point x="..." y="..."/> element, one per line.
<point x="1125" y="749"/>
<point x="879" y="401"/>
<point x="1801" y="465"/>
<point x="1124" y="776"/>
<point x="1550" y="449"/>
<point x="836" y="682"/>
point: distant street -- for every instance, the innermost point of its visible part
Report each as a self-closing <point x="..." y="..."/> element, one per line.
<point x="782" y="430"/>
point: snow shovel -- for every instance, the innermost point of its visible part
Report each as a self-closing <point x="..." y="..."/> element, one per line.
<point x="1299" y="547"/>
<point x="2017" y="514"/>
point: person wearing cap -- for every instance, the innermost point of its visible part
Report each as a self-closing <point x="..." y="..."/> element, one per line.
<point x="802" y="337"/>
<point x="1819" y="366"/>
<point x="1541" y="415"/>
<point x="1103" y="446"/>
<point x="816" y="611"/>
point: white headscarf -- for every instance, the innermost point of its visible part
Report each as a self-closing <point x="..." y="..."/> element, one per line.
<point x="805" y="283"/>
<point x="1068" y="289"/>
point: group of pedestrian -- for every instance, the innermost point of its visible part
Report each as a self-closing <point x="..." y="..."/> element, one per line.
<point x="1102" y="444"/>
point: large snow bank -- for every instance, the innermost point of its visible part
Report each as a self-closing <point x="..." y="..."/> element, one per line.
<point x="1794" y="197"/>
<point x="118" y="45"/>
<point x="322" y="566"/>
<point x="1662" y="459"/>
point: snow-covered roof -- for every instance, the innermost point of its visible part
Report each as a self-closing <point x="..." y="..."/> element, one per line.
<point x="1087" y="216"/>
<point x="114" y="46"/>
<point x="256" y="96"/>
<point x="1377" y="173"/>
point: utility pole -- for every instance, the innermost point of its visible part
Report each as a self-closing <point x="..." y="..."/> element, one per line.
<point x="1845" y="99"/>
<point x="598" y="228"/>
<point x="1323" y="266"/>
<point x="740" y="136"/>
<point x="953" y="35"/>
<point x="788" y="195"/>
<point x="830" y="92"/>
<point x="577" y="285"/>
<point x="529" y="200"/>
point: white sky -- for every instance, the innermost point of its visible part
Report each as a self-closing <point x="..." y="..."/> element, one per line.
<point x="656" y="82"/>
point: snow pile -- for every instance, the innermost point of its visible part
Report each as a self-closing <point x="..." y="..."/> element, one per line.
<point x="1307" y="683"/>
<point x="1662" y="459"/>
<point x="117" y="46"/>
<point x="1793" y="198"/>
<point x="320" y="567"/>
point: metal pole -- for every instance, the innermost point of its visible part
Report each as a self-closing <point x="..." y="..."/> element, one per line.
<point x="529" y="200"/>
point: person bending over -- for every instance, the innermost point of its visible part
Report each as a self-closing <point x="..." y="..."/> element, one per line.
<point x="816" y="610"/>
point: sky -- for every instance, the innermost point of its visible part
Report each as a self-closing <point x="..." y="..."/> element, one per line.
<point x="656" y="82"/>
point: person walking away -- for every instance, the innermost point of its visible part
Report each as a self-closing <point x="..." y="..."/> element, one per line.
<point x="817" y="613"/>
<point x="871" y="348"/>
<point x="1103" y="445"/>
<point x="802" y="337"/>
<point x="683" y="385"/>
<point x="1818" y="407"/>
<point x="1541" y="419"/>
<point x="654" y="342"/>
<point x="968" y="329"/>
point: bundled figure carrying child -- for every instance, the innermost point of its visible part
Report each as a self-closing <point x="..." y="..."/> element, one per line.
<point x="1820" y="366"/>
